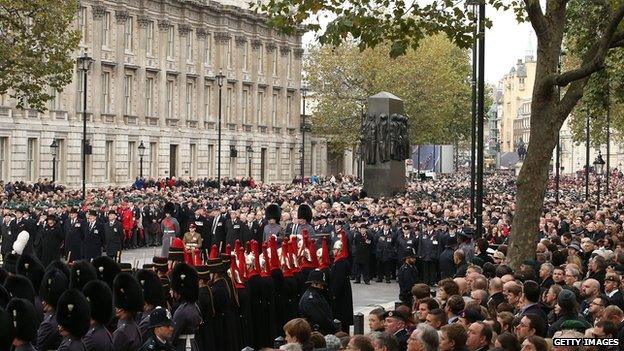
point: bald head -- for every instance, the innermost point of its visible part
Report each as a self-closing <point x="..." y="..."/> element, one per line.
<point x="507" y="278"/>
<point x="462" y="284"/>
<point x="590" y="289"/>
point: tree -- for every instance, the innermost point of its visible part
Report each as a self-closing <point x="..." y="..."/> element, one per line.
<point x="36" y="46"/>
<point x="433" y="82"/>
<point x="404" y="25"/>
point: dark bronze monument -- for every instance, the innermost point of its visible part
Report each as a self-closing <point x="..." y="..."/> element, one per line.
<point x="385" y="145"/>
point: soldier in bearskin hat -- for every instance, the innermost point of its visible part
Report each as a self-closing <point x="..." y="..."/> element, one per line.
<point x="19" y="286"/>
<point x="304" y="217"/>
<point x="273" y="214"/>
<point x="170" y="228"/>
<point x="100" y="298"/>
<point x="187" y="317"/>
<point x="154" y="295"/>
<point x="72" y="314"/>
<point x="82" y="272"/>
<point x="30" y="267"/>
<point x="54" y="283"/>
<point x="128" y="300"/>
<point x="24" y="323"/>
<point x="6" y="337"/>
<point x="106" y="269"/>
<point x="51" y="237"/>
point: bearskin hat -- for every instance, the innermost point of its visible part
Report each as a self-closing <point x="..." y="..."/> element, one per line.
<point x="24" y="321"/>
<point x="106" y="269"/>
<point x="82" y="272"/>
<point x="169" y="208"/>
<point x="153" y="291"/>
<point x="4" y="297"/>
<point x="185" y="282"/>
<point x="20" y="287"/>
<point x="10" y="262"/>
<point x="6" y="337"/>
<point x="54" y="283"/>
<point x="100" y="298"/>
<point x="30" y="267"/>
<point x="127" y="293"/>
<point x="61" y="266"/>
<point x="273" y="211"/>
<point x="3" y="275"/>
<point x="304" y="212"/>
<point x="72" y="313"/>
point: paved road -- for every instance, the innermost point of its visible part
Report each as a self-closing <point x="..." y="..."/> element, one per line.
<point x="365" y="297"/>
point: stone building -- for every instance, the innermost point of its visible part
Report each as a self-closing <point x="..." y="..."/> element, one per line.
<point x="153" y="81"/>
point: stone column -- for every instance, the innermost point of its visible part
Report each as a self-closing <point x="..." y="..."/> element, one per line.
<point x="384" y="179"/>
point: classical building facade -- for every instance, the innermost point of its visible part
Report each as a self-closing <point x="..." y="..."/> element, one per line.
<point x="153" y="81"/>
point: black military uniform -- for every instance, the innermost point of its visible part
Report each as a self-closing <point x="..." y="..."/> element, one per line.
<point x="363" y="246"/>
<point x="73" y="319"/>
<point x="314" y="307"/>
<point x="94" y="238"/>
<point x="54" y="283"/>
<point x="386" y="253"/>
<point x="340" y="286"/>
<point x="75" y="231"/>
<point x="24" y="323"/>
<point x="8" y="233"/>
<point x="187" y="317"/>
<point x="100" y="298"/>
<point x="407" y="277"/>
<point x="218" y="230"/>
<point x="128" y="296"/>
<point x="428" y="254"/>
<point x="114" y="236"/>
<point x="150" y="217"/>
<point x="226" y="326"/>
<point x="205" y="335"/>
<point x="160" y="317"/>
<point x="236" y="229"/>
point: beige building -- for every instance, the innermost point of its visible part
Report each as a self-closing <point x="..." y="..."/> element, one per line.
<point x="153" y="81"/>
<point x="517" y="90"/>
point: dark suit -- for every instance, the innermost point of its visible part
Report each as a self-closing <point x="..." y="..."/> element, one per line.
<point x="75" y="231"/>
<point x="617" y="299"/>
<point x="114" y="235"/>
<point x="94" y="241"/>
<point x="217" y="231"/>
<point x="8" y="236"/>
<point x="51" y="239"/>
<point x="402" y="336"/>
<point x="235" y="230"/>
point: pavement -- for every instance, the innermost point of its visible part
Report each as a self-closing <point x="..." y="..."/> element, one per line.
<point x="365" y="297"/>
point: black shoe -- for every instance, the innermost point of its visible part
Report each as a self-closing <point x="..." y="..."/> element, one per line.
<point x="356" y="282"/>
<point x="367" y="283"/>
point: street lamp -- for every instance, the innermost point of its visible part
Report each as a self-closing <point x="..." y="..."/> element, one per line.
<point x="558" y="149"/>
<point x="54" y="152"/>
<point x="249" y="151"/>
<point x="84" y="64"/>
<point x="141" y="154"/>
<point x="219" y="77"/>
<point x="304" y="94"/>
<point x="599" y="167"/>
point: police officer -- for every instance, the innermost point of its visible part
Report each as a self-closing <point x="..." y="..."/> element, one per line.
<point x="72" y="314"/>
<point x="53" y="284"/>
<point x="100" y="298"/>
<point x="128" y="301"/>
<point x="386" y="252"/>
<point x="405" y="239"/>
<point x="162" y="327"/>
<point x="313" y="305"/>
<point x="187" y="317"/>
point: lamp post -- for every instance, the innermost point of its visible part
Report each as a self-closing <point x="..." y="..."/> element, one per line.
<point x="84" y="64"/>
<point x="599" y="167"/>
<point x="54" y="152"/>
<point x="473" y="135"/>
<point x="558" y="149"/>
<point x="249" y="151"/>
<point x="304" y="94"/>
<point x="480" y="119"/>
<point x="587" y="158"/>
<point x="219" y="78"/>
<point x="141" y="154"/>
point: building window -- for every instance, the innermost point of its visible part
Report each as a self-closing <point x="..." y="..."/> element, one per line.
<point x="82" y="23"/>
<point x="149" y="40"/>
<point x="106" y="92"/>
<point x="244" y="106"/>
<point x="31" y="160"/>
<point x="229" y="54"/>
<point x="170" y="42"/>
<point x="274" y="110"/>
<point x="128" y="95"/>
<point x="228" y="105"/>
<point x="189" y="47"/>
<point x="131" y="163"/>
<point x="261" y="59"/>
<point x="153" y="159"/>
<point x="208" y="49"/>
<point x="169" y="102"/>
<point x="211" y="156"/>
<point x="4" y="148"/>
<point x="106" y="26"/>
<point x="79" y="91"/>
<point x="128" y="35"/>
<point x="289" y="65"/>
<point x="149" y="96"/>
<point x="207" y="102"/>
<point x="289" y="100"/>
<point x="259" y="104"/>
<point x="108" y="161"/>
<point x="245" y="55"/>
<point x="55" y="103"/>
<point x="190" y="91"/>
<point x="275" y="54"/>
<point x="193" y="160"/>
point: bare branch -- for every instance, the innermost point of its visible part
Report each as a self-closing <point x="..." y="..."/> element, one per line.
<point x="594" y="59"/>
<point x="536" y="16"/>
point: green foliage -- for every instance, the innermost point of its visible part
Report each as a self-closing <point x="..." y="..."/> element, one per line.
<point x="433" y="82"/>
<point x="605" y="89"/>
<point x="36" y="47"/>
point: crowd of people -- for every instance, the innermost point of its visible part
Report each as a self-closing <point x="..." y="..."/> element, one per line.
<point x="242" y="265"/>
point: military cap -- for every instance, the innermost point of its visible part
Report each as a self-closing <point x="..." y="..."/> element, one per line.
<point x="396" y="314"/>
<point x="126" y="267"/>
<point x="203" y="272"/>
<point x="100" y="298"/>
<point x="317" y="276"/>
<point x="160" y="317"/>
<point x="160" y="263"/>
